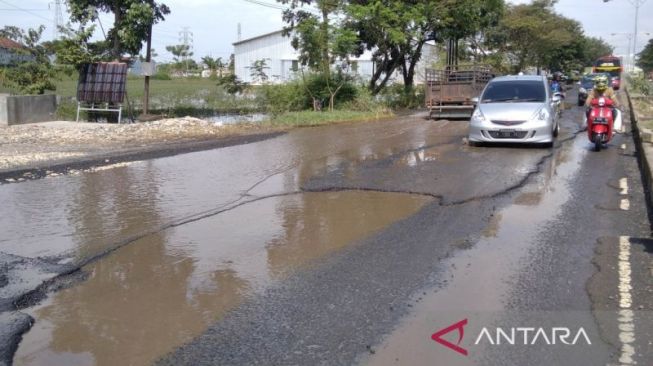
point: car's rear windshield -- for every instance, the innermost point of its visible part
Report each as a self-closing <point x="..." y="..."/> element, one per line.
<point x="587" y="82"/>
<point x="514" y="91"/>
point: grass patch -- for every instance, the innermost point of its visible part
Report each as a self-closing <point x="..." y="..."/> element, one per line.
<point x="169" y="96"/>
<point x="311" y="118"/>
<point x="644" y="108"/>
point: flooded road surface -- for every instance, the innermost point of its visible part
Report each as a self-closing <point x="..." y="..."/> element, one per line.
<point x="77" y="217"/>
<point x="146" y="298"/>
<point x="482" y="277"/>
<point x="321" y="246"/>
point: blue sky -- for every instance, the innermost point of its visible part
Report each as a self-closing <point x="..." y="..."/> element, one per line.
<point x="214" y="23"/>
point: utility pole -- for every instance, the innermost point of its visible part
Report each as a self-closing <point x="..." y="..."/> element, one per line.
<point x="148" y="59"/>
<point x="636" y="4"/>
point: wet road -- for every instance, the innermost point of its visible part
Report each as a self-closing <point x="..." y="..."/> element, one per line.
<point x="335" y="245"/>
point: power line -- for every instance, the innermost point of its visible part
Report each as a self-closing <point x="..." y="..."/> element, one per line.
<point x="273" y="6"/>
<point x="279" y="7"/>
<point x="25" y="10"/>
<point x="6" y="9"/>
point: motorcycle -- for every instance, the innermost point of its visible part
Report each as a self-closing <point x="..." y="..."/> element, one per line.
<point x="600" y="122"/>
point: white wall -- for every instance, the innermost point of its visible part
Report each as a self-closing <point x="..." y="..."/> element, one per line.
<point x="274" y="48"/>
<point x="279" y="54"/>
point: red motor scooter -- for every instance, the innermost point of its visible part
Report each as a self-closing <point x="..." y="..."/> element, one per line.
<point x="600" y="122"/>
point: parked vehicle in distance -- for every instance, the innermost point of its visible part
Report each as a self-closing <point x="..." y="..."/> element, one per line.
<point x="449" y="91"/>
<point x="515" y="109"/>
<point x="586" y="85"/>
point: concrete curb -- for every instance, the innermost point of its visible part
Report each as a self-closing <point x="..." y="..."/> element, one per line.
<point x="643" y="138"/>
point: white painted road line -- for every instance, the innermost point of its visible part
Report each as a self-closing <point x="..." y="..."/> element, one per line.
<point x="626" y="315"/>
<point x="625" y="204"/>
<point x="623" y="185"/>
<point x="623" y="146"/>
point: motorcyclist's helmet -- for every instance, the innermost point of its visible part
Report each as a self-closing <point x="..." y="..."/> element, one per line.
<point x="601" y="83"/>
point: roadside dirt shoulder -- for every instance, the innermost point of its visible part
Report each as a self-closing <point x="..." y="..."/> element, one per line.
<point x="34" y="150"/>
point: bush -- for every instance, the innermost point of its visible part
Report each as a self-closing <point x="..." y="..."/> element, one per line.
<point x="363" y="102"/>
<point x="639" y="84"/>
<point x="161" y="76"/>
<point x="301" y="94"/>
<point x="282" y="98"/>
<point x="67" y="110"/>
<point x="396" y="96"/>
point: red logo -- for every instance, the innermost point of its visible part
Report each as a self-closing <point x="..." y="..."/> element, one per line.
<point x="437" y="336"/>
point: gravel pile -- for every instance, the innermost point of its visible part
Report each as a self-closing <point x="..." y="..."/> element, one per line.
<point x="34" y="144"/>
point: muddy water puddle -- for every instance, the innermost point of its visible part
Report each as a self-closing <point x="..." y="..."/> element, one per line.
<point x="151" y="296"/>
<point x="477" y="280"/>
<point x="78" y="216"/>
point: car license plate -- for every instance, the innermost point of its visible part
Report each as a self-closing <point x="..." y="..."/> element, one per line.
<point x="507" y="133"/>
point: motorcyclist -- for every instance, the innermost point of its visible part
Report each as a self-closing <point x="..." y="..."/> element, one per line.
<point x="556" y="86"/>
<point x="602" y="89"/>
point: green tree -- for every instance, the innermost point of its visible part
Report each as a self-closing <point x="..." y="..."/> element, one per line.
<point x="131" y="23"/>
<point x="645" y="57"/>
<point x="595" y="48"/>
<point x="318" y="34"/>
<point x="34" y="74"/>
<point x="535" y="35"/>
<point x="75" y="47"/>
<point x="214" y="64"/>
<point x="257" y="70"/>
<point x="182" y="56"/>
<point x="396" y="31"/>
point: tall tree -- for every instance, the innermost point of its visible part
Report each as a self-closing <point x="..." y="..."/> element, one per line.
<point x="181" y="55"/>
<point x="318" y="34"/>
<point x="595" y="48"/>
<point x="132" y="20"/>
<point x="396" y="31"/>
<point x="535" y="35"/>
<point x="645" y="57"/>
<point x="76" y="47"/>
<point x="214" y="64"/>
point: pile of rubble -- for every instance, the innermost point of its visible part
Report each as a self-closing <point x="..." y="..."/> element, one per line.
<point x="50" y="141"/>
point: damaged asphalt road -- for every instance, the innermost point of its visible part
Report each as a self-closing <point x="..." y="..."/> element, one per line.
<point x="313" y="247"/>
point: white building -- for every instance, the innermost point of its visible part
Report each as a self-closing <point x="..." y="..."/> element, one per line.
<point x="282" y="59"/>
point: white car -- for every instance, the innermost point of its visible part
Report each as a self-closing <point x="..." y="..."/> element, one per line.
<point x="516" y="109"/>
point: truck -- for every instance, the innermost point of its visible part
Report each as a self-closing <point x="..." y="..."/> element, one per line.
<point x="450" y="91"/>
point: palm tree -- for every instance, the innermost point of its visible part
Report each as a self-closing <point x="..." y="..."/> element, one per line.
<point x="214" y="64"/>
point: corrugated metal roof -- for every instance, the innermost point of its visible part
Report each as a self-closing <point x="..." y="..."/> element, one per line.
<point x="9" y="44"/>
<point x="257" y="37"/>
